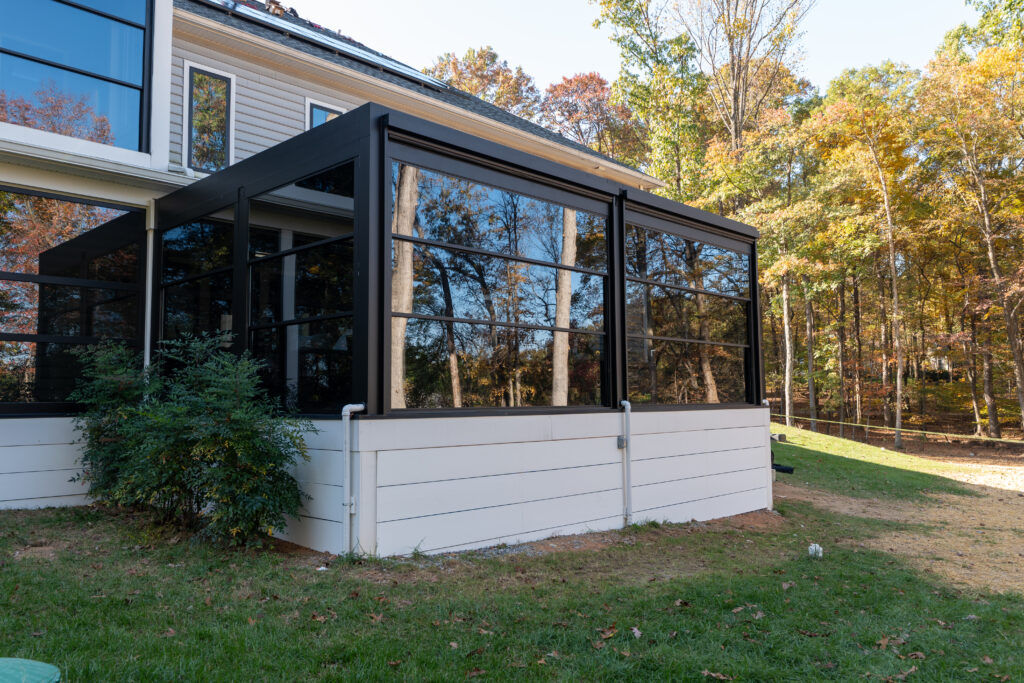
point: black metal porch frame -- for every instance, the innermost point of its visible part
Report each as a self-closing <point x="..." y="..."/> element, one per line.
<point x="372" y="137"/>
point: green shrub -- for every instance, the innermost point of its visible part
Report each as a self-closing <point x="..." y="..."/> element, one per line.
<point x="199" y="443"/>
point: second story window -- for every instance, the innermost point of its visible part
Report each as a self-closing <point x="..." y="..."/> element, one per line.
<point x="209" y="120"/>
<point x="76" y="69"/>
<point x="320" y="114"/>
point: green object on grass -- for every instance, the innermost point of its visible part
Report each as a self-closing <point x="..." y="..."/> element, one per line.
<point x="27" y="671"/>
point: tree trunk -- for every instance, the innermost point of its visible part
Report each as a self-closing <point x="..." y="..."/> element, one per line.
<point x="407" y="195"/>
<point x="971" y="365"/>
<point x="842" y="357"/>
<point x="449" y="333"/>
<point x="858" y="396"/>
<point x="812" y="402"/>
<point x="563" y="303"/>
<point x="991" y="409"/>
<point x="787" y="333"/>
<point x="886" y="390"/>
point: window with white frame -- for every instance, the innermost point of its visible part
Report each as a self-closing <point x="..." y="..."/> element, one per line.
<point x="208" y="125"/>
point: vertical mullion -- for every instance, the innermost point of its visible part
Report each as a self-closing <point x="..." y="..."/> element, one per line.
<point x="616" y="287"/>
<point x="386" y="255"/>
<point x="240" y="274"/>
<point x="755" y="379"/>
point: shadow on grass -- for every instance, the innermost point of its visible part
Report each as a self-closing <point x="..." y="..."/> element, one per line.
<point x="858" y="474"/>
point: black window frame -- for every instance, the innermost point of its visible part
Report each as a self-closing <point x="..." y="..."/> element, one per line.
<point x="229" y="81"/>
<point x="145" y="89"/>
<point x="138" y="287"/>
<point x="374" y="136"/>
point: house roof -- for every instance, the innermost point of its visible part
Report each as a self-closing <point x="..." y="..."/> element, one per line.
<point x="317" y="41"/>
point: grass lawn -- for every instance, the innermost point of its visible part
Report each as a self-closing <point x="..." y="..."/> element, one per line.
<point x="107" y="598"/>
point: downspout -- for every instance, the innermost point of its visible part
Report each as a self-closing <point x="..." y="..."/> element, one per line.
<point x="627" y="466"/>
<point x="147" y="306"/>
<point x="346" y="453"/>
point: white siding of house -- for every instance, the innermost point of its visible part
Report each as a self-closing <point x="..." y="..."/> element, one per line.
<point x="456" y="483"/>
<point x="269" y="107"/>
<point x="38" y="457"/>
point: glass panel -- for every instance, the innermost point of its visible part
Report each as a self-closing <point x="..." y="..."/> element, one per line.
<point x="132" y="10"/>
<point x="435" y="206"/>
<point x="263" y="242"/>
<point x="678" y="373"/>
<point x="664" y="312"/>
<point x="36" y="372"/>
<point x="209" y="100"/>
<point x="309" y="365"/>
<point x="339" y="180"/>
<point x="51" y="99"/>
<point x="459" y="284"/>
<point x="39" y="235"/>
<point x="201" y="305"/>
<point x="196" y="248"/>
<point x="675" y="260"/>
<point x="475" y="366"/>
<point x="58" y="33"/>
<point x="308" y="284"/>
<point x="319" y="115"/>
<point x="30" y="308"/>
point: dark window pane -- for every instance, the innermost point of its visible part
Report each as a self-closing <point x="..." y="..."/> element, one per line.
<point x="59" y="101"/>
<point x="59" y="33"/>
<point x="209" y="117"/>
<point x="461" y="284"/>
<point x="494" y="366"/>
<point x="309" y="365"/>
<point x="132" y="10"/>
<point x="665" y="312"/>
<point x="201" y="305"/>
<point x="30" y="308"/>
<point x="457" y="211"/>
<point x="33" y="372"/>
<point x="668" y="372"/>
<point x="339" y="180"/>
<point x="263" y="242"/>
<point x="311" y="283"/>
<point x="675" y="260"/>
<point x="196" y="248"/>
<point x="319" y="115"/>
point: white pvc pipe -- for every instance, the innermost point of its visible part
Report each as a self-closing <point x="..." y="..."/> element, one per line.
<point x="627" y="467"/>
<point x="346" y="452"/>
<point x="147" y="304"/>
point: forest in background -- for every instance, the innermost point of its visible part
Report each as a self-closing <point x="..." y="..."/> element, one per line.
<point x="890" y="203"/>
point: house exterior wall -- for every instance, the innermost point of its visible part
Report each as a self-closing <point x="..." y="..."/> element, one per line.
<point x="445" y="484"/>
<point x="38" y="458"/>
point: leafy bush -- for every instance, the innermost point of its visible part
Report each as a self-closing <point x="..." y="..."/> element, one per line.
<point x="195" y="438"/>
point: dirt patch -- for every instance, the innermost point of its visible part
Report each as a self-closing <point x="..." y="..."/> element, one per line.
<point x="973" y="542"/>
<point x="42" y="551"/>
<point x="760" y="521"/>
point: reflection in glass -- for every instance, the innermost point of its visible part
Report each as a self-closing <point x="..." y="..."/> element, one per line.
<point x="655" y="311"/>
<point x="461" y="284"/>
<point x="209" y="116"/>
<point x="36" y="372"/>
<point x="200" y="305"/>
<point x="72" y="311"/>
<point x="472" y="286"/>
<point x="195" y="248"/>
<point x="667" y="372"/>
<point x="131" y="10"/>
<point x="496" y="366"/>
<point x="315" y="282"/>
<point x="309" y="365"/>
<point x="675" y="260"/>
<point x="319" y="115"/>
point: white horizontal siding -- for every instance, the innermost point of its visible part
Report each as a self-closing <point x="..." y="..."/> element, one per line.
<point x="463" y="482"/>
<point x="38" y="460"/>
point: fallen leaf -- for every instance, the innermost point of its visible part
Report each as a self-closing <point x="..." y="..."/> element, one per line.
<point x="636" y="632"/>
<point x="971" y="617"/>
<point x="681" y="603"/>
<point x="169" y="633"/>
<point x="902" y="676"/>
<point x="916" y="655"/>
<point x="395" y="662"/>
<point x="607" y="633"/>
<point x="473" y="673"/>
<point x="38" y="634"/>
<point x="786" y="585"/>
<point x="882" y="642"/>
<point x="453" y="645"/>
<point x="376" y="618"/>
<point x="597" y="644"/>
<point x="478" y="651"/>
<point x="715" y="675"/>
<point x="987" y="660"/>
<point x="739" y="609"/>
<point x="759" y="615"/>
<point x="812" y="634"/>
<point x="673" y="634"/>
<point x="484" y="632"/>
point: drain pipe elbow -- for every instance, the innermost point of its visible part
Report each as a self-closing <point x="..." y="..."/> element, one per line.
<point x="350" y="468"/>
<point x="626" y="444"/>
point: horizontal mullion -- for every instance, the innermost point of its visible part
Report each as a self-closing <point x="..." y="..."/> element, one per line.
<point x="304" y="247"/>
<point x="101" y="13"/>
<point x="684" y="340"/>
<point x="684" y="288"/>
<point x="496" y="323"/>
<point x="496" y="254"/>
<point x="68" y="281"/>
<point x="72" y="69"/>
<point x="300" y="321"/>
<point x="193" y="278"/>
<point x="70" y="340"/>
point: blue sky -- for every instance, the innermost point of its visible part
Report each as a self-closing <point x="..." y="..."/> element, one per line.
<point x="554" y="38"/>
